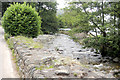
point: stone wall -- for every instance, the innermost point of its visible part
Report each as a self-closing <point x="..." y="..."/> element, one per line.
<point x="41" y="63"/>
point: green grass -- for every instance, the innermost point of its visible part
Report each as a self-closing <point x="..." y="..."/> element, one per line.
<point x="10" y="44"/>
<point x="75" y="74"/>
<point x="51" y="66"/>
<point x="28" y="41"/>
<point x="6" y="36"/>
<point x="15" y="60"/>
<point x="42" y="67"/>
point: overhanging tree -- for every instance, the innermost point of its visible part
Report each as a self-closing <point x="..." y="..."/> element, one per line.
<point x="104" y="22"/>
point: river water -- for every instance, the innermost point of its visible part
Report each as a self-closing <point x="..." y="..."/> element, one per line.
<point x="66" y="46"/>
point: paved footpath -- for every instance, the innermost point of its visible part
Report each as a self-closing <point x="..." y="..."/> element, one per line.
<point x="7" y="66"/>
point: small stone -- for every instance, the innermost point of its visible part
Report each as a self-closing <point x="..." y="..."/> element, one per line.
<point x="89" y="70"/>
<point x="84" y="74"/>
<point x="80" y="76"/>
<point x="31" y="48"/>
<point x="98" y="66"/>
<point x="79" y="50"/>
<point x="62" y="72"/>
<point x="61" y="67"/>
<point x="45" y="71"/>
<point x="105" y="60"/>
<point x="116" y="59"/>
<point x="92" y="50"/>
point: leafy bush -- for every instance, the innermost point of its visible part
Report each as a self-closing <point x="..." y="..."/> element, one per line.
<point x="111" y="42"/>
<point x="21" y="19"/>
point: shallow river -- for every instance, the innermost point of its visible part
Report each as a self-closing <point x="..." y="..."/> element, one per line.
<point x="66" y="46"/>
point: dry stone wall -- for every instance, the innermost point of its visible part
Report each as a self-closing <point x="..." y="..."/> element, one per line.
<point x="41" y="63"/>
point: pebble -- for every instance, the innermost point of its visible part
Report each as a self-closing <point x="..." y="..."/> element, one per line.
<point x="116" y="59"/>
<point x="62" y="72"/>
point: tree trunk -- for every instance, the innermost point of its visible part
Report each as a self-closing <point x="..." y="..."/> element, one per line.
<point x="103" y="48"/>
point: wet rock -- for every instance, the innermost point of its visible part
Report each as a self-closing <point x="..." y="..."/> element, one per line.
<point x="116" y="59"/>
<point x="62" y="72"/>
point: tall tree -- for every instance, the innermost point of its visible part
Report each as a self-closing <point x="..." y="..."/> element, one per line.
<point x="103" y="19"/>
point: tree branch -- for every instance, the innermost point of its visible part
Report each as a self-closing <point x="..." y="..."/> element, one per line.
<point x="91" y="18"/>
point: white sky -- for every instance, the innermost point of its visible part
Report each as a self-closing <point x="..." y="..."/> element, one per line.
<point x="61" y="4"/>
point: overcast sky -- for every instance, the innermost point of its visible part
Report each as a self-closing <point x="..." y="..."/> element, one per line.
<point x="61" y="4"/>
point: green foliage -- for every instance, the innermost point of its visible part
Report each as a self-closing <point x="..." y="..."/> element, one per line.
<point x="74" y="17"/>
<point x="92" y="17"/>
<point x="107" y="42"/>
<point x="112" y="48"/>
<point x="61" y="24"/>
<point x="4" y="6"/>
<point x="7" y="36"/>
<point x="75" y="74"/>
<point x="42" y="67"/>
<point x="21" y="19"/>
<point x="49" y="20"/>
<point x="47" y="11"/>
<point x="10" y="44"/>
<point x="13" y="51"/>
<point x="79" y="30"/>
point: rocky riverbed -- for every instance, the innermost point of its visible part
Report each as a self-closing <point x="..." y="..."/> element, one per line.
<point x="60" y="57"/>
<point x="67" y="47"/>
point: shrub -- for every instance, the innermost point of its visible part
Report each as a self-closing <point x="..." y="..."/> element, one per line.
<point x="111" y="43"/>
<point x="21" y="19"/>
